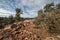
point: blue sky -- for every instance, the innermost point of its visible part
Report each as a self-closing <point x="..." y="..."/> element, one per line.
<point x="29" y="7"/>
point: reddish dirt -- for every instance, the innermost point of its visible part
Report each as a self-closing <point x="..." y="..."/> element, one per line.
<point x="25" y="30"/>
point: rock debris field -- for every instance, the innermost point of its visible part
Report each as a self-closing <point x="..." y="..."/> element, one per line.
<point x="25" y="30"/>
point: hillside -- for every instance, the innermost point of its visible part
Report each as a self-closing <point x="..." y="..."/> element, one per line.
<point x="25" y="30"/>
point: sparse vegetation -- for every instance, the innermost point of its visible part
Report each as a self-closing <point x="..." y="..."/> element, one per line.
<point x="50" y="17"/>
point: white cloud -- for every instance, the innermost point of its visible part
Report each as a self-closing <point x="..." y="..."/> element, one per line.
<point x="4" y="12"/>
<point x="30" y="2"/>
<point x="29" y="13"/>
<point x="32" y="7"/>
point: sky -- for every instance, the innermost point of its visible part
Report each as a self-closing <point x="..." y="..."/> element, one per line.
<point x="29" y="7"/>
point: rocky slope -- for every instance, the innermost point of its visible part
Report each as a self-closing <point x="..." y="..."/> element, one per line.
<point x="25" y="30"/>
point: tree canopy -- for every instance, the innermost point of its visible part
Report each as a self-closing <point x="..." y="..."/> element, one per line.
<point x="18" y="12"/>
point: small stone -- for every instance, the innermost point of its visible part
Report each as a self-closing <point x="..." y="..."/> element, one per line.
<point x="26" y="38"/>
